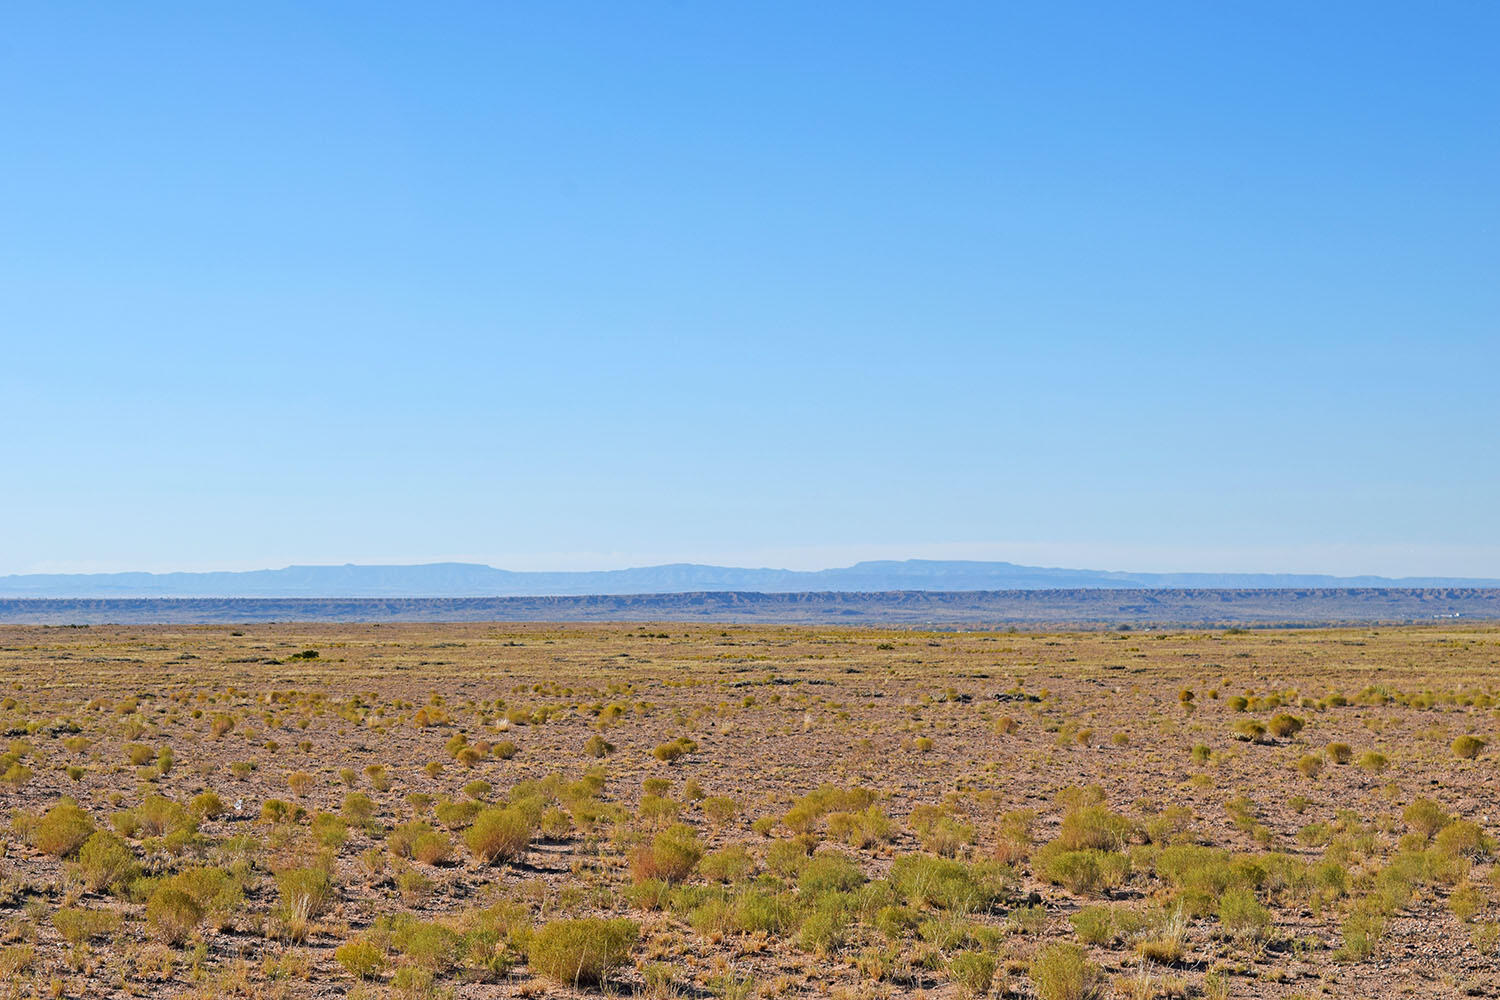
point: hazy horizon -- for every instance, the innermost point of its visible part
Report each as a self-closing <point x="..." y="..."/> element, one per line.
<point x="750" y="566"/>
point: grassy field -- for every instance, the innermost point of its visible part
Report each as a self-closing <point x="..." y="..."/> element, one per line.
<point x="485" y="810"/>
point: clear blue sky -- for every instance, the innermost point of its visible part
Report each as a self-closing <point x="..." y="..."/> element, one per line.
<point x="550" y="285"/>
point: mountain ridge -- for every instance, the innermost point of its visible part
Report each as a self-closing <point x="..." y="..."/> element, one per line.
<point x="458" y="579"/>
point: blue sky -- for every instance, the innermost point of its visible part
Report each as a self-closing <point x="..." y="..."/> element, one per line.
<point x="1145" y="286"/>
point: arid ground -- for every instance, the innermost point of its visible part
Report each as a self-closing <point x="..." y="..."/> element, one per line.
<point x="483" y="810"/>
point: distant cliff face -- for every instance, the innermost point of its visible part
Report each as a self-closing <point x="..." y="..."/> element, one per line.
<point x="473" y="580"/>
<point x="1090" y="607"/>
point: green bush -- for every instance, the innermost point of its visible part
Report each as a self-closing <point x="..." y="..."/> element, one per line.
<point x="1249" y="730"/>
<point x="1063" y="972"/>
<point x="208" y="805"/>
<point x="217" y="892"/>
<point x="951" y="885"/>
<point x="675" y="749"/>
<point x="305" y="892"/>
<point x="1242" y="915"/>
<point x="1083" y="872"/>
<point x="1096" y="827"/>
<point x="1463" y="837"/>
<point x="670" y="857"/>
<point x="830" y="872"/>
<point x="76" y="925"/>
<point x="825" y="929"/>
<point x="973" y="972"/>
<point x="172" y="914"/>
<point x="1094" y="925"/>
<point x="62" y="830"/>
<point x="1283" y="725"/>
<point x="582" y="952"/>
<point x="107" y="862"/>
<point x="1362" y="932"/>
<point x="1468" y="747"/>
<point x="499" y="834"/>
<point x="360" y="958"/>
<point x="358" y="808"/>
<point x="1425" y="816"/>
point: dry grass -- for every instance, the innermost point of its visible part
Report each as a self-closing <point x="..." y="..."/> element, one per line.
<point x="744" y="811"/>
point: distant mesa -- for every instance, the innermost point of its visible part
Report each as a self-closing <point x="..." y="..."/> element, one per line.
<point x="460" y="580"/>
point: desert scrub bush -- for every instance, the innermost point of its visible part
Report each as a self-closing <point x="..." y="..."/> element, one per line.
<point x="787" y="858"/>
<point x="674" y="749"/>
<point x="457" y="814"/>
<point x="830" y="871"/>
<point x="825" y="927"/>
<point x="1063" y="972"/>
<point x="1104" y="925"/>
<point x="358" y="808"/>
<point x="1201" y="874"/>
<point x="1310" y="765"/>
<point x="207" y="805"/>
<point x="581" y="952"/>
<point x="1242" y="916"/>
<point x="806" y="814"/>
<point x="720" y="810"/>
<point x="1283" y="725"/>
<point x="670" y="857"/>
<point x="598" y="747"/>
<point x="1095" y="827"/>
<point x="217" y="892"/>
<point x="432" y="848"/>
<point x="658" y="811"/>
<point x="862" y="829"/>
<point x="414" y="887"/>
<point x="951" y="885"/>
<point x="159" y="816"/>
<point x="1249" y="730"/>
<point x="1465" y="901"/>
<point x="304" y="894"/>
<point x="1374" y="762"/>
<point x="300" y="782"/>
<point x="402" y="838"/>
<point x="172" y="914"/>
<point x="1464" y="837"/>
<point x="1362" y="931"/>
<point x="378" y="778"/>
<point x="105" y="861"/>
<point x="1084" y="872"/>
<point x="728" y="864"/>
<point x="499" y="834"/>
<point x="329" y="830"/>
<point x="973" y="972"/>
<point x="361" y="958"/>
<point x="15" y="774"/>
<point x="1340" y="753"/>
<point x="61" y="830"/>
<point x="1425" y="816"/>
<point x="1467" y="747"/>
<point x="77" y="925"/>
